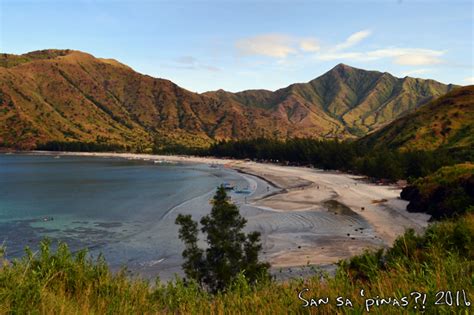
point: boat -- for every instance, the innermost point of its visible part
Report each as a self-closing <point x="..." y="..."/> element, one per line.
<point x="243" y="191"/>
<point x="227" y="186"/>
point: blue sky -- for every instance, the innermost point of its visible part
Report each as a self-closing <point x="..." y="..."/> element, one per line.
<point x="237" y="45"/>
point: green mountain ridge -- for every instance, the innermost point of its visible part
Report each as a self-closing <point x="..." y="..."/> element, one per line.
<point x="447" y="122"/>
<point x="360" y="100"/>
<point x="67" y="95"/>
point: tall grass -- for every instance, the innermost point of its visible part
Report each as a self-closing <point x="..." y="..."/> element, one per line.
<point x="58" y="282"/>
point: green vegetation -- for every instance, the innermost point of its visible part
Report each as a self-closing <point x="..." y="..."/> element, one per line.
<point x="7" y="60"/>
<point x="76" y="146"/>
<point x="442" y="259"/>
<point x="344" y="101"/>
<point x="230" y="252"/>
<point x="71" y="96"/>
<point x="178" y="143"/>
<point x="346" y="156"/>
<point x="60" y="282"/>
<point x="104" y="106"/>
<point x="446" y="193"/>
<point x="447" y="123"/>
<point x="11" y="60"/>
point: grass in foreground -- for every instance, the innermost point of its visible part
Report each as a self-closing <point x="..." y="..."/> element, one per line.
<point x="441" y="260"/>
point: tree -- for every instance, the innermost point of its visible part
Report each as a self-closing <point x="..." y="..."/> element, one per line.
<point x="230" y="251"/>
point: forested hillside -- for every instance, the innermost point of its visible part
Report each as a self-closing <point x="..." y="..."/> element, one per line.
<point x="71" y="96"/>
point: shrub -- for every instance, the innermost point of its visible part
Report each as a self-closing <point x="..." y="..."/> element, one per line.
<point x="230" y="252"/>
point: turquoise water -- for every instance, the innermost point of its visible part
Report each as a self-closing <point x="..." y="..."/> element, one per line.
<point x="108" y="205"/>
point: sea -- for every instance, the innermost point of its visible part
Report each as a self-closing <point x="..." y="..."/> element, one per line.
<point x="112" y="206"/>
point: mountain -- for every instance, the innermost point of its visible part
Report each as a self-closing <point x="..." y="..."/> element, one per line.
<point x="447" y="122"/>
<point x="69" y="95"/>
<point x="359" y="100"/>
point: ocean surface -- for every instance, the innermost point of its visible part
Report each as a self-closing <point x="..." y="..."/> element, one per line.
<point x="126" y="209"/>
<point x="113" y="206"/>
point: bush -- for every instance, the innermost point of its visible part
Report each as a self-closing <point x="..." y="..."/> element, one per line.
<point x="230" y="252"/>
<point x="446" y="193"/>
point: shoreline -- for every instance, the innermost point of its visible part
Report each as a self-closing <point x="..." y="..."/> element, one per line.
<point x="297" y="227"/>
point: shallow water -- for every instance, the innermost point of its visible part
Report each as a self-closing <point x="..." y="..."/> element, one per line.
<point x="125" y="209"/>
<point x="104" y="204"/>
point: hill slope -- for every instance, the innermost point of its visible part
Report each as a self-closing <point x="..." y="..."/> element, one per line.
<point x="359" y="100"/>
<point x="447" y="122"/>
<point x="68" y="95"/>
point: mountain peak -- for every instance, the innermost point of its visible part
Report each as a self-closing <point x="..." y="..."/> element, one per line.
<point x="11" y="60"/>
<point x="343" y="70"/>
<point x="93" y="100"/>
<point x="343" y="66"/>
<point x="48" y="53"/>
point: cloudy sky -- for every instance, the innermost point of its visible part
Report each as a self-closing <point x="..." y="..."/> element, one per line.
<point x="237" y="45"/>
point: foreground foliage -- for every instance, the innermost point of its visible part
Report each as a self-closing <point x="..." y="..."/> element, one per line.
<point x="230" y="251"/>
<point x="58" y="282"/>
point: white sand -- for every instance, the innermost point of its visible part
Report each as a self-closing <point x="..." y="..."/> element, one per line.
<point x="296" y="227"/>
<point x="389" y="218"/>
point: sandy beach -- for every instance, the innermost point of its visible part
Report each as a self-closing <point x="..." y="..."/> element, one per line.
<point x="306" y="216"/>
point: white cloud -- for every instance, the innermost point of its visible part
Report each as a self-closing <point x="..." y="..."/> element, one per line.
<point x="417" y="59"/>
<point x="309" y="45"/>
<point x="277" y="45"/>
<point x="281" y="46"/>
<point x="408" y="56"/>
<point x="415" y="72"/>
<point x="469" y="80"/>
<point x="353" y="39"/>
<point x="400" y="56"/>
<point x="271" y="45"/>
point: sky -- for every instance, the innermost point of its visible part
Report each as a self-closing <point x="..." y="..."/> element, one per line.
<point x="237" y="45"/>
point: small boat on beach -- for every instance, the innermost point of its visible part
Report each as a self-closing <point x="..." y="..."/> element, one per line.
<point x="227" y="186"/>
<point x="243" y="191"/>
